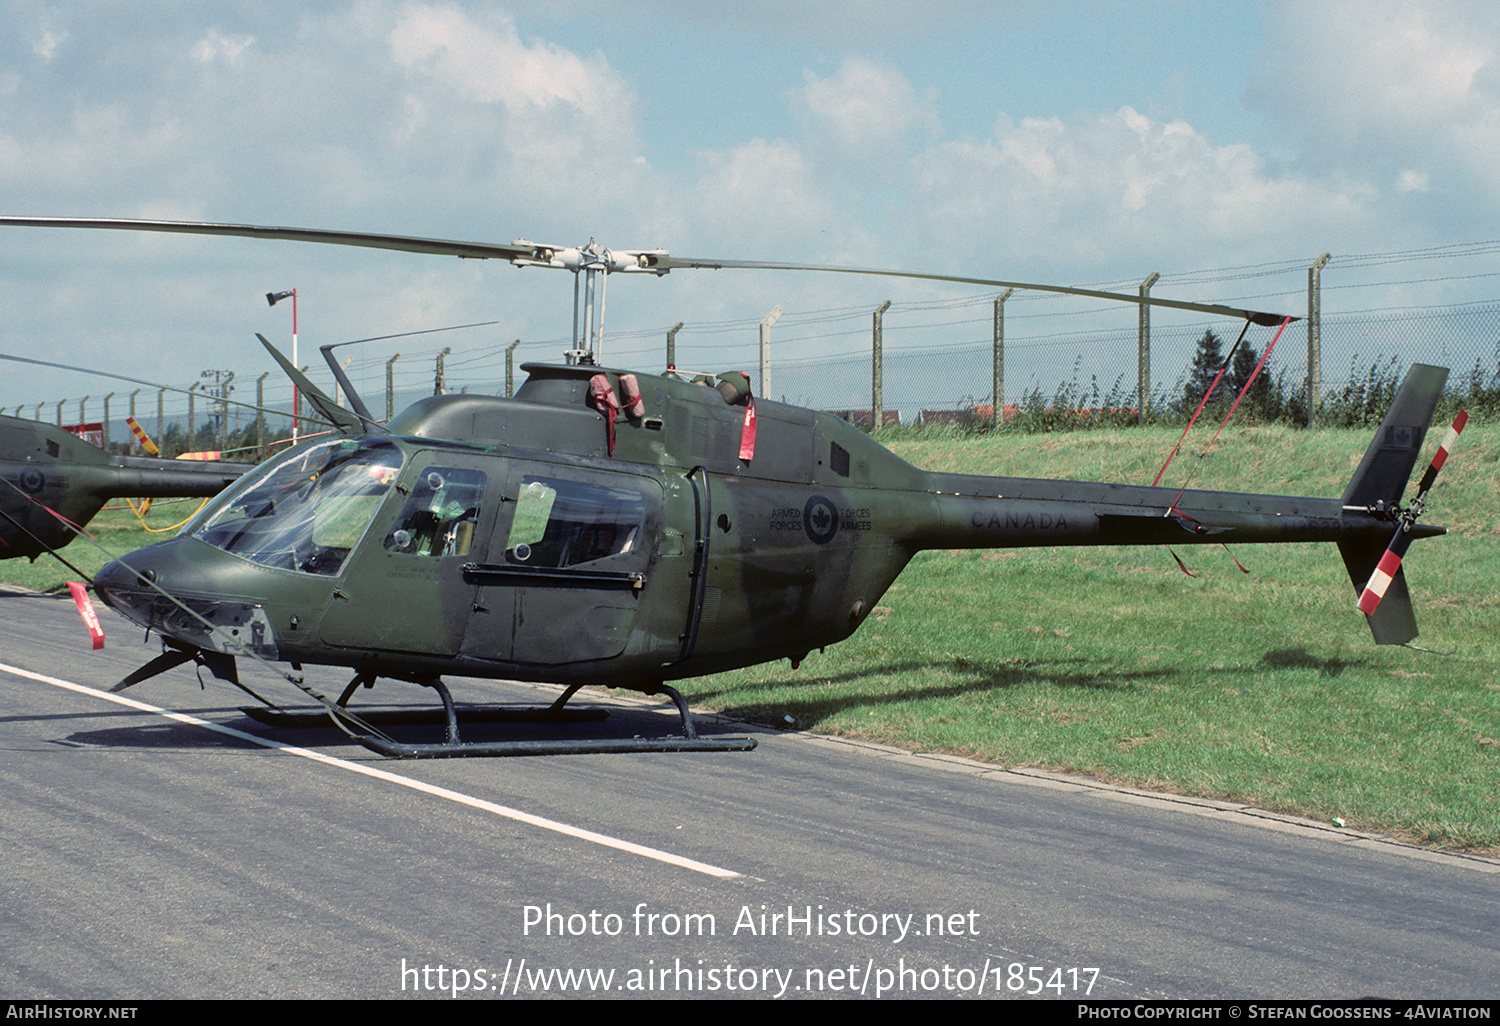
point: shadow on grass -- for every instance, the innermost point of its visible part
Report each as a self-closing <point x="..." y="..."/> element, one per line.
<point x="811" y="709"/>
<point x="809" y="702"/>
<point x="1301" y="659"/>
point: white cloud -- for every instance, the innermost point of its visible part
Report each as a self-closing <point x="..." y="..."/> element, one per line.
<point x="47" y="44"/>
<point x="867" y="110"/>
<point x="758" y="195"/>
<point x="490" y="64"/>
<point x="1413" y="181"/>
<point x="1390" y="91"/>
<point x="217" y="46"/>
<point x="1119" y="189"/>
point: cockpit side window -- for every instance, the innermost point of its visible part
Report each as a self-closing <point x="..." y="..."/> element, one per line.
<point x="440" y="515"/>
<point x="561" y="523"/>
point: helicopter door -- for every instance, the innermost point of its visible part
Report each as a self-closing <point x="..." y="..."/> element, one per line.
<point x="404" y="589"/>
<point x="572" y="569"/>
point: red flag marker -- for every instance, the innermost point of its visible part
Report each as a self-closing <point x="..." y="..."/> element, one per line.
<point x="86" y="610"/>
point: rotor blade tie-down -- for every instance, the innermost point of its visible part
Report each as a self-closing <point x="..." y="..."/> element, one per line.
<point x="1208" y="394"/>
<point x="1251" y="380"/>
<point x="602" y="398"/>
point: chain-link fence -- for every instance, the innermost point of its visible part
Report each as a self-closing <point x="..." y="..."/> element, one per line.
<point x="938" y="357"/>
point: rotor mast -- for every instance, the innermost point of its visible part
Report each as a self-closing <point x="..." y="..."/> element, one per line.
<point x="591" y="266"/>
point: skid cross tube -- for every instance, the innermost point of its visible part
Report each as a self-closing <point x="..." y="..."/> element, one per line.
<point x="455" y="748"/>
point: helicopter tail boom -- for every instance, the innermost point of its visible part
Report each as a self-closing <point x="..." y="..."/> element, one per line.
<point x="1005" y="512"/>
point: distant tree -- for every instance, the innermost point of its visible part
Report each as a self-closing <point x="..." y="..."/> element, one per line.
<point x="1206" y="363"/>
<point x="173" y="440"/>
<point x="1258" y="402"/>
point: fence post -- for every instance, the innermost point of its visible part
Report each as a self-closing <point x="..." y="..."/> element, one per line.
<point x="1143" y="344"/>
<point x="440" y="383"/>
<point x="390" y="387"/>
<point x="159" y="418"/>
<point x="672" y="345"/>
<point x="260" y="412"/>
<point x="338" y="392"/>
<point x="106" y="420"/>
<point x="998" y="384"/>
<point x="877" y="371"/>
<point x="82" y="415"/>
<point x="128" y="445"/>
<point x="224" y="390"/>
<point x="59" y="411"/>
<point x="1314" y="333"/>
<point x="765" y="350"/>
<point x="510" y="369"/>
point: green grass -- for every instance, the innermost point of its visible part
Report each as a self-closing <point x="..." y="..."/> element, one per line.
<point x="1264" y="688"/>
<point x="116" y="531"/>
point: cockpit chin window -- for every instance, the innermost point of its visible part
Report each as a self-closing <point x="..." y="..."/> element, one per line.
<point x="305" y="512"/>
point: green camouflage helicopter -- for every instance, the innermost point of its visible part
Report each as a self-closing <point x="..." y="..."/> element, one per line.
<point x="687" y="527"/>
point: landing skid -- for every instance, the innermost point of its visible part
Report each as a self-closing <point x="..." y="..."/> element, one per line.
<point x="454" y="748"/>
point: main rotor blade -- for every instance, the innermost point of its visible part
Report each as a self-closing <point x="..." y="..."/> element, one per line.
<point x="1255" y="317"/>
<point x="441" y="247"/>
<point x="648" y="261"/>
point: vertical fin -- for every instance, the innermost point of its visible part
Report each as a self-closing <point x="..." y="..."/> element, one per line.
<point x="1379" y="481"/>
<point x="1387" y="466"/>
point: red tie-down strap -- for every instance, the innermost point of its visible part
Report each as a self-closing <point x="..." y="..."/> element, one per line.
<point x="747" y="433"/>
<point x="735" y="388"/>
<point x="602" y="398"/>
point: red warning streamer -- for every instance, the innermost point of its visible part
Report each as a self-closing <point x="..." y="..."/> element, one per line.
<point x="747" y="433"/>
<point x="86" y="610"/>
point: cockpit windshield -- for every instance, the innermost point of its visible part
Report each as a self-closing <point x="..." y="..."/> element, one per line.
<point x="306" y="511"/>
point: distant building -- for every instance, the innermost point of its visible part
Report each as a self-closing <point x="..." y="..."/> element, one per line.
<point x="967" y="417"/>
<point x="863" y="419"/>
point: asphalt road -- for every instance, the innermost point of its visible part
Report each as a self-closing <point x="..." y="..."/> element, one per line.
<point x="150" y="858"/>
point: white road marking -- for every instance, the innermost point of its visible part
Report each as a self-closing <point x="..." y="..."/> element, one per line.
<point x="394" y="778"/>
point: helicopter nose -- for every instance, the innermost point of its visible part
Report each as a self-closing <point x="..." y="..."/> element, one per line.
<point x="126" y="588"/>
<point x="162" y="589"/>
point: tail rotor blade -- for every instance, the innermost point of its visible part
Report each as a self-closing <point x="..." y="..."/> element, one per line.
<point x="1385" y="572"/>
<point x="1390" y="563"/>
<point x="1441" y="456"/>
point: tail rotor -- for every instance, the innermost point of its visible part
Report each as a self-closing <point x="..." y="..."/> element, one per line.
<point x="1390" y="563"/>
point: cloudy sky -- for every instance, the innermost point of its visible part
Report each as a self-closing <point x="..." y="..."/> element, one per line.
<point x="1064" y="142"/>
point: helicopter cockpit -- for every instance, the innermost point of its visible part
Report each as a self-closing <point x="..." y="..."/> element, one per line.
<point x="304" y="513"/>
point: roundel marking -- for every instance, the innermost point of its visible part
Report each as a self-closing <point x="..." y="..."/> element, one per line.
<point x="32" y="480"/>
<point x="820" y="518"/>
